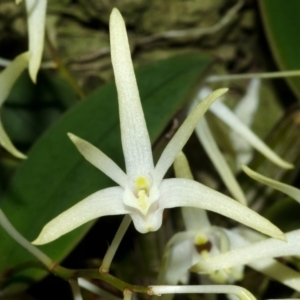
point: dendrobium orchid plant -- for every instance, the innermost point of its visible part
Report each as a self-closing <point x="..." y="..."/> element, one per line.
<point x="142" y="193"/>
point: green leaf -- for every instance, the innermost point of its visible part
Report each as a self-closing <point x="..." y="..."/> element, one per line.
<point x="282" y="24"/>
<point x="30" y="109"/>
<point x="56" y="176"/>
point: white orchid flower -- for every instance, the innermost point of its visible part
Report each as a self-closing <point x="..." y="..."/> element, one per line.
<point x="142" y="193"/>
<point x="8" y="77"/>
<point x="259" y="256"/>
<point x="199" y="241"/>
<point x="36" y="17"/>
<point x="241" y="132"/>
<point x="231" y="120"/>
<point x="187" y="248"/>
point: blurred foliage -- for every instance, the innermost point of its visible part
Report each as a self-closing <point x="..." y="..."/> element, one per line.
<point x="282" y="26"/>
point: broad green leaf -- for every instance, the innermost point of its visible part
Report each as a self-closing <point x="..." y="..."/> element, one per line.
<point x="282" y="25"/>
<point x="30" y="108"/>
<point x="56" y="176"/>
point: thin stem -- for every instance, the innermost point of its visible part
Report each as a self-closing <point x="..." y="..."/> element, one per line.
<point x="115" y="245"/>
<point x="268" y="75"/>
<point x="94" y="273"/>
<point x="242" y="293"/>
<point x="68" y="274"/>
<point x="96" y="289"/>
<point x="47" y="261"/>
<point x="62" y="68"/>
<point x="75" y="289"/>
<point x="127" y="294"/>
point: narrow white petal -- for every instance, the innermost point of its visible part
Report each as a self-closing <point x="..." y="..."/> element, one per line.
<point x="194" y="219"/>
<point x="9" y="75"/>
<point x="151" y="222"/>
<point x="182" y="135"/>
<point x="212" y="150"/>
<point x="277" y="185"/>
<point x="98" y="159"/>
<point x="228" y="117"/>
<point x="268" y="248"/>
<point x="6" y="143"/>
<point x="247" y="106"/>
<point x="102" y="203"/>
<point x="245" y="110"/>
<point x="184" y="192"/>
<point x="135" y="138"/>
<point x="177" y="264"/>
<point x="278" y="271"/>
<point x="181" y="167"/>
<point x="36" y="15"/>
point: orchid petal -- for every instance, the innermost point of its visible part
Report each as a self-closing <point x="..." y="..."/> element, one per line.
<point x="9" y="75"/>
<point x="36" y="11"/>
<point x="179" y="260"/>
<point x="277" y="185"/>
<point x="182" y="135"/>
<point x="181" y="167"/>
<point x="98" y="159"/>
<point x="135" y="138"/>
<point x="184" y="192"/>
<point x="261" y="250"/>
<point x="212" y="150"/>
<point x="228" y="117"/>
<point x="194" y="219"/>
<point x="6" y="143"/>
<point x="102" y="203"/>
<point x="270" y="267"/>
<point x="278" y="271"/>
<point x="245" y="110"/>
<point x="151" y="222"/>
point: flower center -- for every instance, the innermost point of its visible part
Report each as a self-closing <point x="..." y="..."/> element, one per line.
<point x="142" y="188"/>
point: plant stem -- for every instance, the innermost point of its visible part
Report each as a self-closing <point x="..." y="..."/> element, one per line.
<point x="68" y="274"/>
<point x="242" y="293"/>
<point x="62" y="68"/>
<point x="47" y="261"/>
<point x="268" y="75"/>
<point x="114" y="245"/>
<point x="75" y="289"/>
